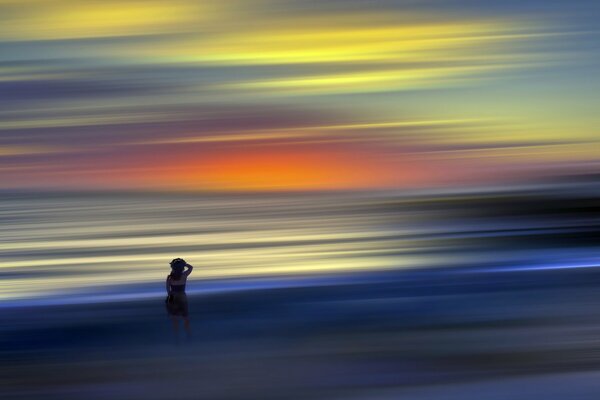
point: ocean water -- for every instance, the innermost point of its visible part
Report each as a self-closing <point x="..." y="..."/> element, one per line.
<point x="480" y="295"/>
<point x="97" y="246"/>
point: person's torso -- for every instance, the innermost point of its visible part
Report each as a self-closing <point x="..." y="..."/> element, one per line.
<point x="178" y="285"/>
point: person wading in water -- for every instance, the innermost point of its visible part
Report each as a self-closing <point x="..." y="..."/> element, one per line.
<point x="176" y="301"/>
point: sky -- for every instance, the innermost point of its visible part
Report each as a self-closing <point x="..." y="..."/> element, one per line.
<point x="296" y="95"/>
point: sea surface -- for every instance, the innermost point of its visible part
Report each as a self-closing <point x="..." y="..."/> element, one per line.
<point x="93" y="246"/>
<point x="457" y="295"/>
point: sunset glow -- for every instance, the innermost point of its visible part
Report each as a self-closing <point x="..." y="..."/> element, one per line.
<point x="292" y="168"/>
<point x="304" y="96"/>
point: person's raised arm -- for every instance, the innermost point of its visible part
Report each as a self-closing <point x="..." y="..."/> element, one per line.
<point x="188" y="270"/>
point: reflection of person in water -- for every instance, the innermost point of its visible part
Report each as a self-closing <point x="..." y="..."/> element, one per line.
<point x="177" y="305"/>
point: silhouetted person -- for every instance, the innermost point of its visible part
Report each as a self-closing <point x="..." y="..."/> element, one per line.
<point x="177" y="305"/>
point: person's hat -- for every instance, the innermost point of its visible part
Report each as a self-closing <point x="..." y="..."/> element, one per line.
<point x="178" y="262"/>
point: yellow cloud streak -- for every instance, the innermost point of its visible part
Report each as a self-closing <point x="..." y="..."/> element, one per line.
<point x="70" y="19"/>
<point x="513" y="131"/>
<point x="340" y="40"/>
<point x="534" y="153"/>
<point x="366" y="81"/>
